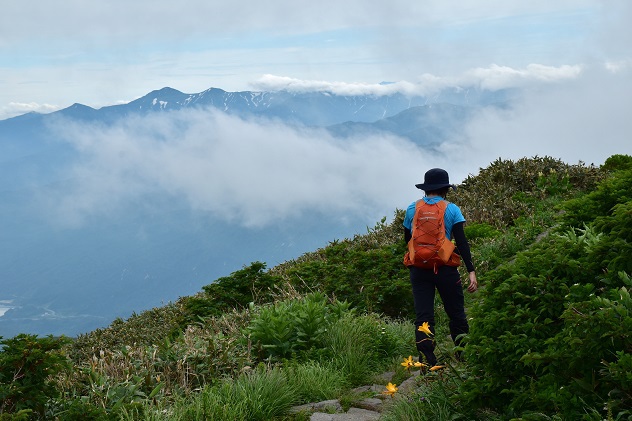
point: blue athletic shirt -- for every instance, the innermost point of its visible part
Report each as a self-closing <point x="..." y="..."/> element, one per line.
<point x="452" y="215"/>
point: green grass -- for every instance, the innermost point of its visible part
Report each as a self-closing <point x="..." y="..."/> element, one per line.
<point x="314" y="381"/>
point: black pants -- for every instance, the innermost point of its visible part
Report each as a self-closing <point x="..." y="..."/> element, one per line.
<point x="448" y="282"/>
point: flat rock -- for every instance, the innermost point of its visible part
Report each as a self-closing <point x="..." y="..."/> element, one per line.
<point x="330" y="405"/>
<point x="354" y="414"/>
<point x="372" y="404"/>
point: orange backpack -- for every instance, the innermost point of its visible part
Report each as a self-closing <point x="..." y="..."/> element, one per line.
<point x="428" y="247"/>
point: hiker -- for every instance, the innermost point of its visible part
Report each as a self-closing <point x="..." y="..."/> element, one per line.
<point x="444" y="276"/>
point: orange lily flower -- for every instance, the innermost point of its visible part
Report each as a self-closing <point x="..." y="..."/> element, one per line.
<point x="408" y="362"/>
<point x="425" y="328"/>
<point x="391" y="389"/>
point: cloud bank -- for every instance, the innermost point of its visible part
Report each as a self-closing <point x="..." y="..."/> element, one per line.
<point x="258" y="172"/>
<point x="492" y="78"/>
<point x="249" y="172"/>
<point x="17" y="108"/>
<point x="121" y="20"/>
<point x="585" y="119"/>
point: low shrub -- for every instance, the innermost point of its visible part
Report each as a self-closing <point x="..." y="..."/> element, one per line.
<point x="291" y="328"/>
<point x="314" y="381"/>
<point x="553" y="322"/>
<point x="258" y="395"/>
<point x="28" y="365"/>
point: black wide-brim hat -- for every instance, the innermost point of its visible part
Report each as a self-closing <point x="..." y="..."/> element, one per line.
<point x="435" y="179"/>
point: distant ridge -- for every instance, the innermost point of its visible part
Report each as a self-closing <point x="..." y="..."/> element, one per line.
<point x="421" y="117"/>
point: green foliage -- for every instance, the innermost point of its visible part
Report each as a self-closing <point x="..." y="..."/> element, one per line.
<point x="599" y="203"/>
<point x="395" y="338"/>
<point x="355" y="346"/>
<point x="250" y="284"/>
<point x="613" y="253"/>
<point x="490" y="252"/>
<point x="79" y="409"/>
<point x="587" y="351"/>
<point x="506" y="189"/>
<point x="147" y="328"/>
<point x="115" y="395"/>
<point x="124" y="379"/>
<point x="618" y="163"/>
<point x="366" y="273"/>
<point x="21" y="415"/>
<point x="315" y="382"/>
<point x="553" y="320"/>
<point x="293" y="327"/>
<point x="27" y="364"/>
<point x="258" y="395"/>
<point x="480" y="230"/>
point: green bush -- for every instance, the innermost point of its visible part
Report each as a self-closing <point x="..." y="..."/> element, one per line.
<point x="506" y="190"/>
<point x="600" y="202"/>
<point x="585" y="357"/>
<point x="257" y="395"/>
<point x="373" y="280"/>
<point x="27" y="367"/>
<point x="553" y="322"/>
<point x="238" y="290"/>
<point x="119" y="379"/>
<point x="354" y="345"/>
<point x="21" y="415"/>
<point x="79" y="409"/>
<point x="315" y="382"/>
<point x="612" y="254"/>
<point x="480" y="230"/>
<point x="147" y="328"/>
<point x="290" y="328"/>
<point x="617" y="163"/>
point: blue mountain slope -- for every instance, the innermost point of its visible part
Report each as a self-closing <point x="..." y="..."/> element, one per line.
<point x="311" y="108"/>
<point x="427" y="125"/>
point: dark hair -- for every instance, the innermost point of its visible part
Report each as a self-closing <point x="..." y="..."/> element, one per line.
<point x="443" y="192"/>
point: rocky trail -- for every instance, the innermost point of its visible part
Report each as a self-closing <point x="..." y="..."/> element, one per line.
<point x="367" y="409"/>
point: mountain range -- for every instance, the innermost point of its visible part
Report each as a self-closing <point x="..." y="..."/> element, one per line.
<point x="61" y="280"/>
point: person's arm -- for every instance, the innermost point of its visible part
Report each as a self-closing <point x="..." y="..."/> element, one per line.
<point x="407" y="235"/>
<point x="464" y="250"/>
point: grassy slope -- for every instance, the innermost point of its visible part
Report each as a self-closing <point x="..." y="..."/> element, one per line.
<point x="509" y="205"/>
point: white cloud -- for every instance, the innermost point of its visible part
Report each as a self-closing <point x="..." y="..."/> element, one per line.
<point x="66" y="51"/>
<point x="277" y="83"/>
<point x="493" y="78"/>
<point x="250" y="172"/>
<point x="585" y="119"/>
<point x="259" y="172"/>
<point x="122" y="20"/>
<point x="17" y="108"/>
<point x="619" y="65"/>
<point x="498" y="77"/>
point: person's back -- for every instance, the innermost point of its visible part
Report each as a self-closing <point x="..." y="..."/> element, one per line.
<point x="445" y="278"/>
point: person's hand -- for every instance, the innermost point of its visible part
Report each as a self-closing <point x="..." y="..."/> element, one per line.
<point x="473" y="286"/>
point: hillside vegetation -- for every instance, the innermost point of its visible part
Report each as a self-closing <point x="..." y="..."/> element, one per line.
<point x="550" y="326"/>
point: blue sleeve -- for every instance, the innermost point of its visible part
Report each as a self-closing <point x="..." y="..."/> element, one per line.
<point x="452" y="216"/>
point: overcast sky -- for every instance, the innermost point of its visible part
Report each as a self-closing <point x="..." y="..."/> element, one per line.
<point x="573" y="57"/>
<point x="57" y="52"/>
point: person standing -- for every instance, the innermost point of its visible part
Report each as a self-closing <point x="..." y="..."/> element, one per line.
<point x="445" y="278"/>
